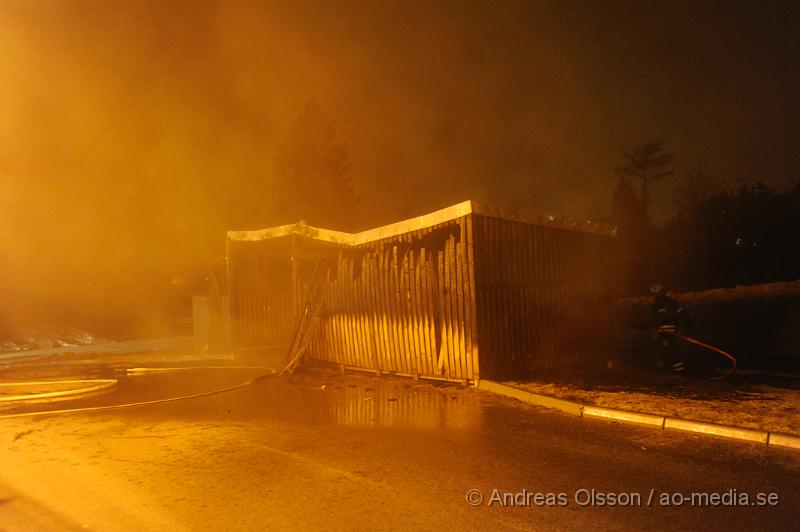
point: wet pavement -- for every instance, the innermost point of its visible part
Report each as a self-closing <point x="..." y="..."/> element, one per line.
<point x="319" y="451"/>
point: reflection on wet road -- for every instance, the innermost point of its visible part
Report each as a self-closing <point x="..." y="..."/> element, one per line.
<point x="319" y="451"/>
<point x="390" y="404"/>
<point x="401" y="405"/>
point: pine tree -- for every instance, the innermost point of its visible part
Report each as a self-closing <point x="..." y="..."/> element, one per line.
<point x="648" y="163"/>
<point x="645" y="163"/>
<point x="312" y="175"/>
<point x="628" y="214"/>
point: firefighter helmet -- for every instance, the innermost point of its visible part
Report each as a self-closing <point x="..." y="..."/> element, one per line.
<point x="658" y="288"/>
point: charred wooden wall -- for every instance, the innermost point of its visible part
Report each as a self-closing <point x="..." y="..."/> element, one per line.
<point x="425" y="298"/>
<point x="261" y="298"/>
<point x="269" y="280"/>
<point x="403" y="304"/>
<point x="543" y="296"/>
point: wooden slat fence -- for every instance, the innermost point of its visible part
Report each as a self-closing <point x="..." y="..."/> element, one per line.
<point x="544" y="296"/>
<point x="402" y="305"/>
<point x="458" y="294"/>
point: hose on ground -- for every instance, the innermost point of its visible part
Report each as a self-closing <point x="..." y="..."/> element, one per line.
<point x="248" y="382"/>
<point x="712" y="348"/>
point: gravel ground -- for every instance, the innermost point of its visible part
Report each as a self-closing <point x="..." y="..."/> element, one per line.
<point x="755" y="400"/>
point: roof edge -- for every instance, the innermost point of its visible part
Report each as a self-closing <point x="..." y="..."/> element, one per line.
<point x="447" y="214"/>
<point x="545" y="220"/>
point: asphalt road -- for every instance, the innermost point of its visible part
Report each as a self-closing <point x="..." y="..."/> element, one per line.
<point x="324" y="452"/>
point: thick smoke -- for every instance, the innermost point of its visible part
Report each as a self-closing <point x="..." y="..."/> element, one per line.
<point x="133" y="134"/>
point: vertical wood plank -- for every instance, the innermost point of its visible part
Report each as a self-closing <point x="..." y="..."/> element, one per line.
<point x="430" y="313"/>
<point x="414" y="331"/>
<point x="448" y="302"/>
<point x="371" y="312"/>
<point x="442" y="360"/>
<point x="463" y="295"/>
<point x="377" y="344"/>
<point x="421" y="310"/>
<point x="458" y="315"/>
<point x="345" y="318"/>
<point x="352" y="300"/>
<point x="358" y="292"/>
<point x="490" y="286"/>
<point x="386" y="305"/>
<point x="391" y="289"/>
<point x="514" y="292"/>
<point x="473" y="303"/>
<point x="361" y="321"/>
<point x="399" y="300"/>
<point x="402" y="301"/>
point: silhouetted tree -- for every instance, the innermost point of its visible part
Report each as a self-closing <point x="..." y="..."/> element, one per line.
<point x="746" y="236"/>
<point x="695" y="189"/>
<point x="312" y="179"/>
<point x="626" y="204"/>
<point x="628" y="213"/>
<point x="646" y="163"/>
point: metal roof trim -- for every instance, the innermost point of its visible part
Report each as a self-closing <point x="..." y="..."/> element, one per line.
<point x="447" y="214"/>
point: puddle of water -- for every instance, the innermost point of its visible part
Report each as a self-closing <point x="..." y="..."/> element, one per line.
<point x="366" y="404"/>
<point x="379" y="404"/>
<point x="402" y="406"/>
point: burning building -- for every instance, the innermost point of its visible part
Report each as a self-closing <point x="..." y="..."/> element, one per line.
<point x="465" y="292"/>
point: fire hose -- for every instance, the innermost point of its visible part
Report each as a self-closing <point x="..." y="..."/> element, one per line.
<point x="140" y="371"/>
<point x="711" y="348"/>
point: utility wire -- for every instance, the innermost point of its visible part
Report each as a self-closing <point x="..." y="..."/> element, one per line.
<point x="790" y="174"/>
<point x="751" y="149"/>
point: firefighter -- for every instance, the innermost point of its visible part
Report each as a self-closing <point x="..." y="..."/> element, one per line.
<point x="669" y="318"/>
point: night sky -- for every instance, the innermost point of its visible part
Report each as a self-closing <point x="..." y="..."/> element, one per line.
<point x="132" y="132"/>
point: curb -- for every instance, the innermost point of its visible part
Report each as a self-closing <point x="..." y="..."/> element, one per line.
<point x="624" y="416"/>
<point x="770" y="439"/>
<point x="784" y="440"/>
<point x="546" y="401"/>
<point x="726" y="431"/>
